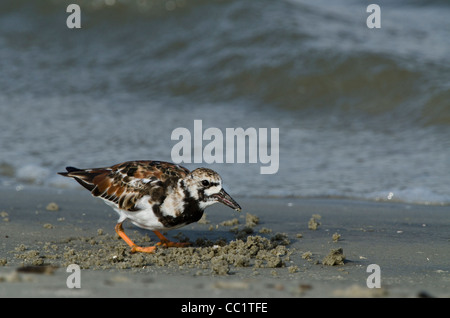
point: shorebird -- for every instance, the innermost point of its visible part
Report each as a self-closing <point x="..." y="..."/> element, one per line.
<point x="154" y="195"/>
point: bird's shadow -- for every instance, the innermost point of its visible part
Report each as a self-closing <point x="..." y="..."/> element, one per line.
<point x="196" y="237"/>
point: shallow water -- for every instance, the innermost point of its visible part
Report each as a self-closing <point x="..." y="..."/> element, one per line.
<point x="362" y="113"/>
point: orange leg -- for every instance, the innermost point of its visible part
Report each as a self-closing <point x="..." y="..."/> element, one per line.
<point x="134" y="247"/>
<point x="150" y="249"/>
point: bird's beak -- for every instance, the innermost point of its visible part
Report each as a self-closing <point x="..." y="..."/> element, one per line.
<point x="225" y="198"/>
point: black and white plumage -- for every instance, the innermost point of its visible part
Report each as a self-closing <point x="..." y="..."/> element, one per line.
<point x="154" y="195"/>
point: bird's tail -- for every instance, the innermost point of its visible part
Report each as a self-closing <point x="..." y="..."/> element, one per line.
<point x="69" y="170"/>
<point x="85" y="177"/>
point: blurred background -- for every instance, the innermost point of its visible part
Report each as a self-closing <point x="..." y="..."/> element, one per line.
<point x="362" y="113"/>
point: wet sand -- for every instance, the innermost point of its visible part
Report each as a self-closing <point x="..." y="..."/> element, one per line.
<point x="273" y="248"/>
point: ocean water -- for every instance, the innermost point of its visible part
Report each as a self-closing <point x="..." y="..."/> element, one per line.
<point x="362" y="113"/>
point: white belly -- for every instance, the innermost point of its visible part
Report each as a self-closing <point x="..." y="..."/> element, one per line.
<point x="144" y="218"/>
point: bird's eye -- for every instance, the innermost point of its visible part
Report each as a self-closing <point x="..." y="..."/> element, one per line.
<point x="205" y="183"/>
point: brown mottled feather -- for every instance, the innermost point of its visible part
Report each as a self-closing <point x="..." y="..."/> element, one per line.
<point x="125" y="183"/>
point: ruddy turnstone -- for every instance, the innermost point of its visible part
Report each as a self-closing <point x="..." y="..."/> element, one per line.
<point x="154" y="195"/>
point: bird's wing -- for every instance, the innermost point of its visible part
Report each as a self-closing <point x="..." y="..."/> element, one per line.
<point x="126" y="183"/>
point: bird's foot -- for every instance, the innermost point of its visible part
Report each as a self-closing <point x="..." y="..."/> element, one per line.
<point x="168" y="243"/>
<point x="148" y="249"/>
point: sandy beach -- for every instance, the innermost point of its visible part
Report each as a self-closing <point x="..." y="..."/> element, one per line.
<point x="331" y="131"/>
<point x="273" y="248"/>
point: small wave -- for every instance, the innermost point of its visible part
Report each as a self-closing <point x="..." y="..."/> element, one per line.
<point x="35" y="175"/>
<point x="291" y="55"/>
<point x="32" y="174"/>
<point x="413" y="195"/>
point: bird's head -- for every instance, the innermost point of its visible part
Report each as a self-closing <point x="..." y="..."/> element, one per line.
<point x="205" y="185"/>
